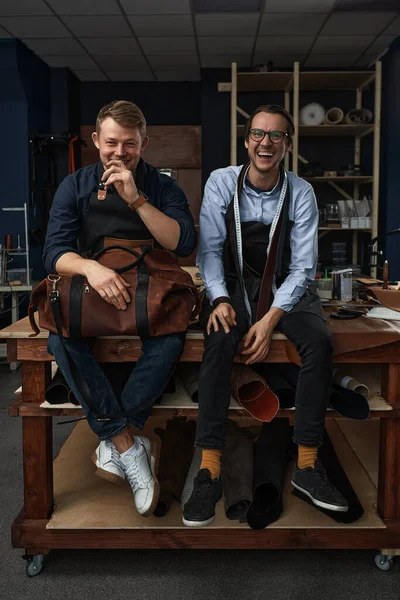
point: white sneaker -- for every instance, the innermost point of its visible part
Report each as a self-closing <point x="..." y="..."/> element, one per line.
<point x="107" y="460"/>
<point x="139" y="469"/>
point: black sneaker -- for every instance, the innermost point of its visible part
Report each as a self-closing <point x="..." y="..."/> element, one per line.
<point x="315" y="484"/>
<point x="199" y="510"/>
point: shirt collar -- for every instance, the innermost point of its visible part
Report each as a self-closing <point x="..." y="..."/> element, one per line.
<point x="250" y="188"/>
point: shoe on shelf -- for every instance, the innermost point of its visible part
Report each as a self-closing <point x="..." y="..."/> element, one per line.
<point x="107" y="460"/>
<point x="139" y="471"/>
<point x="199" y="510"/>
<point x="314" y="483"/>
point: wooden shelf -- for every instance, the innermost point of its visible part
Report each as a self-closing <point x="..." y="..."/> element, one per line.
<point x="336" y="130"/>
<point x="180" y="400"/>
<point x="264" y="82"/>
<point x="335" y="80"/>
<point x="344" y="229"/>
<point x="327" y="130"/>
<point x="84" y="501"/>
<point x="343" y="179"/>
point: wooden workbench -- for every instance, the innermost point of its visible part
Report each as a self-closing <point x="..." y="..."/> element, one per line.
<point x="52" y="496"/>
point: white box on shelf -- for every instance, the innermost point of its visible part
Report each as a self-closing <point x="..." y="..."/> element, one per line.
<point x="353" y="222"/>
<point x="368" y="222"/>
<point x="362" y="222"/>
<point x="345" y="221"/>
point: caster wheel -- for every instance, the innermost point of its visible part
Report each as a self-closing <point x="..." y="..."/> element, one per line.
<point x="35" y="565"/>
<point x="384" y="562"/>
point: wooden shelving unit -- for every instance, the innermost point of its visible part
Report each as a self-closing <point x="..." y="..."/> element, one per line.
<point x="291" y="84"/>
<point x="336" y="130"/>
<point x="344" y="179"/>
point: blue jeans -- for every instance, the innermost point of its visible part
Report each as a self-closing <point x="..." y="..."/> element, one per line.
<point x="145" y="384"/>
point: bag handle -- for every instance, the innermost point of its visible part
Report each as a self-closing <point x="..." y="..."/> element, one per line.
<point x="136" y="263"/>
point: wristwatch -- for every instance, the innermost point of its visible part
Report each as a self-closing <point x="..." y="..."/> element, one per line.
<point x="142" y="198"/>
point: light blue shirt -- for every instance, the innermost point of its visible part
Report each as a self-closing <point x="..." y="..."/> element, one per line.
<point x="254" y="206"/>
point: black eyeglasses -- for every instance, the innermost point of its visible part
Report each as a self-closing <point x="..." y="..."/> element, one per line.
<point x="276" y="136"/>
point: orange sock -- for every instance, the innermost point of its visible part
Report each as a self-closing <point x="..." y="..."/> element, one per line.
<point x="307" y="457"/>
<point x="211" y="460"/>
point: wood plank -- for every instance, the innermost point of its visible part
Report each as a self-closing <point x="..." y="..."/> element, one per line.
<point x="35" y="533"/>
<point x="190" y="182"/>
<point x="85" y="501"/>
<point x="335" y="80"/>
<point x="38" y="467"/>
<point x="391" y="383"/>
<point x="35" y="378"/>
<point x="11" y="351"/>
<point x="389" y="469"/>
<point x="37" y="447"/>
<point x="170" y="146"/>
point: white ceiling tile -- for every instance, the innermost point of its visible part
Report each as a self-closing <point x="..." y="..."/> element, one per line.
<point x="90" y="75"/>
<point x="122" y="63"/>
<point x="394" y="28"/>
<point x="226" y="45"/>
<point x="158" y="25"/>
<point x="131" y="75"/>
<point x="341" y="44"/>
<point x="360" y="23"/>
<point x="98" y="26"/>
<point x="154" y="7"/>
<point x="85" y="7"/>
<point x="55" y="46"/>
<point x="366" y="60"/>
<point x="381" y="43"/>
<point x="291" y="6"/>
<point x="192" y="75"/>
<point x="226" y="24"/>
<point x="12" y="8"/>
<point x="279" y="61"/>
<point x="279" y="24"/>
<point x="35" y="27"/>
<point x="330" y="60"/>
<point x="168" y="45"/>
<point x="284" y="44"/>
<point x="169" y="63"/>
<point x="3" y="34"/>
<point x="218" y="61"/>
<point x="73" y="62"/>
<point x="115" y="46"/>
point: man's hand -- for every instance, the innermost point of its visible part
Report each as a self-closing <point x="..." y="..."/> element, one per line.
<point x="107" y="283"/>
<point x="121" y="178"/>
<point x="261" y="335"/>
<point x="225" y="314"/>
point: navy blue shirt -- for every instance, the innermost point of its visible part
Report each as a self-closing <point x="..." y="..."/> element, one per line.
<point x="71" y="203"/>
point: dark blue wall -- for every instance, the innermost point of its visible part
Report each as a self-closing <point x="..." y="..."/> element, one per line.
<point x="162" y="103"/>
<point x="390" y="143"/>
<point x="25" y="107"/>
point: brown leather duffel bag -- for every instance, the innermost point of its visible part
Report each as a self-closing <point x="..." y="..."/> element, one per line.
<point x="164" y="298"/>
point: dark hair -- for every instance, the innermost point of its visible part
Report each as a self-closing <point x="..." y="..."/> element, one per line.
<point x="125" y="113"/>
<point x="274" y="109"/>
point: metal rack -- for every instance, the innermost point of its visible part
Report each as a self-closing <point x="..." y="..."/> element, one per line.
<point x="17" y="251"/>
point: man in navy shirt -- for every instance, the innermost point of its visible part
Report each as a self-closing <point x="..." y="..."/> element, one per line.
<point x="138" y="203"/>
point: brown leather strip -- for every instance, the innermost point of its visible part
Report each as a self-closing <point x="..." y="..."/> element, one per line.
<point x="109" y="241"/>
<point x="268" y="275"/>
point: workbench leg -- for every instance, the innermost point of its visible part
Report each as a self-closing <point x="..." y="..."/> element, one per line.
<point x="37" y="444"/>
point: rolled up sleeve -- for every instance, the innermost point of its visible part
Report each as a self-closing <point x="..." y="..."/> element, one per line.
<point x="304" y="251"/>
<point x="174" y="204"/>
<point x="212" y="238"/>
<point x="64" y="225"/>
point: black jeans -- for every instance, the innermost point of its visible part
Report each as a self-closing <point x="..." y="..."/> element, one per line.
<point x="312" y="339"/>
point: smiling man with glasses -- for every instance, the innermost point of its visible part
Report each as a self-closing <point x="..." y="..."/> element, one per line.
<point x="240" y="212"/>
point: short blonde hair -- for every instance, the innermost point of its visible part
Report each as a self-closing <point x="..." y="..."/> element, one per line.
<point x="125" y="113"/>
